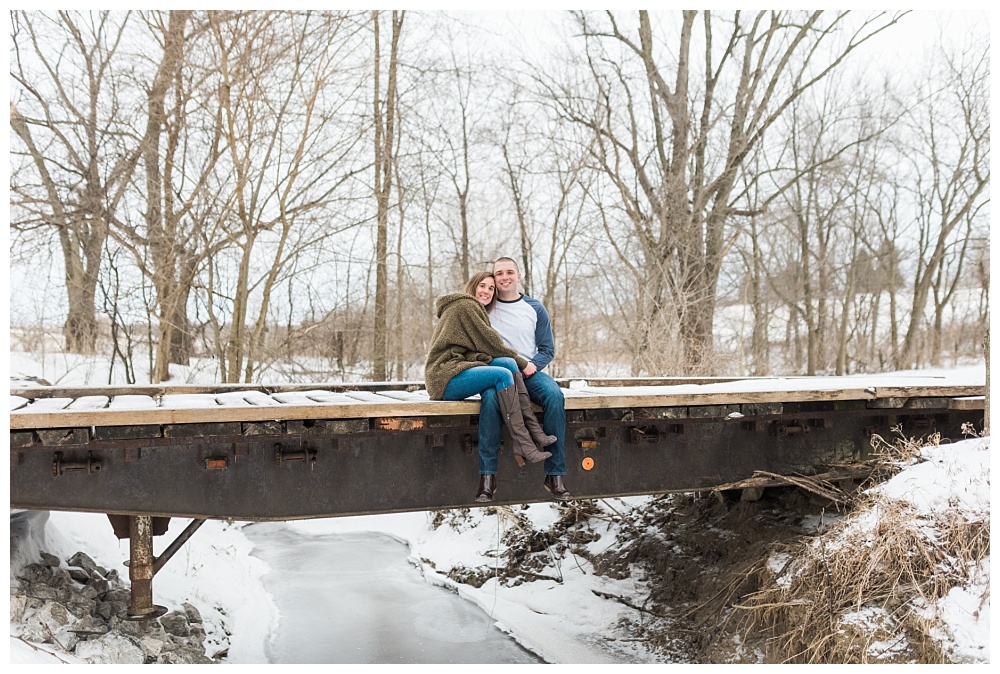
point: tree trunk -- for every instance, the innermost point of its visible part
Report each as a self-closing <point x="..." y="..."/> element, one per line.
<point x="384" y="144"/>
<point x="160" y="218"/>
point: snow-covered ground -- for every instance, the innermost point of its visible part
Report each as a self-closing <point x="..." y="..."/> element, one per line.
<point x="216" y="573"/>
<point x="562" y="622"/>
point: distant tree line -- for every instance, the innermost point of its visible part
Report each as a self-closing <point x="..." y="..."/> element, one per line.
<point x="696" y="192"/>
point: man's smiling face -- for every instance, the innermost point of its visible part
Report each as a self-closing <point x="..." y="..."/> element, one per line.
<point x="507" y="278"/>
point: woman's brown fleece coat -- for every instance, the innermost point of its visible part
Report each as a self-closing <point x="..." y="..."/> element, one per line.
<point x="462" y="338"/>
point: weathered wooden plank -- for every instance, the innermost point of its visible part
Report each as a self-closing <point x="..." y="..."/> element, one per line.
<point x="579" y="393"/>
<point x="134" y="432"/>
<point x="202" y="429"/>
<point x="188" y="401"/>
<point x="712" y="411"/>
<point x="967" y="403"/>
<point x="21" y="439"/>
<point x="330" y="398"/>
<point x="606" y="414"/>
<point x="53" y="437"/>
<point x="263" y="428"/>
<point x="927" y="404"/>
<point x="314" y="397"/>
<point x="259" y="398"/>
<point x="890" y="403"/>
<point x="928" y="391"/>
<point x="761" y="409"/>
<point x="369" y="397"/>
<point x="415" y="396"/>
<point x="327" y="426"/>
<point x="306" y="427"/>
<point x="340" y="426"/>
<point x="89" y="403"/>
<point x="849" y="405"/>
<point x="459" y="421"/>
<point x="45" y="405"/>
<point x="233" y="399"/>
<point x="660" y="412"/>
<point x="132" y="402"/>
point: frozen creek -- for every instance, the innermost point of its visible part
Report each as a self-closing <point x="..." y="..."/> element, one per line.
<point x="354" y="598"/>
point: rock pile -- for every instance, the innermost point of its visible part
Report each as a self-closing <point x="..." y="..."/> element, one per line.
<point x="76" y="607"/>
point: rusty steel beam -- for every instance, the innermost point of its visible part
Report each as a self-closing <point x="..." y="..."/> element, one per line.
<point x="293" y="470"/>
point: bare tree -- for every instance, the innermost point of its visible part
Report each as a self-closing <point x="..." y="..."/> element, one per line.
<point x="69" y="116"/>
<point x="161" y="217"/>
<point x="950" y="165"/>
<point x="673" y="147"/>
<point x="280" y="76"/>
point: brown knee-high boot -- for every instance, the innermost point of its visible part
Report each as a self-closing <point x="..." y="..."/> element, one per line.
<point x="541" y="438"/>
<point x="524" y="447"/>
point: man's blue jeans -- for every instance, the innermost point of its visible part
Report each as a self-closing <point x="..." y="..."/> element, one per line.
<point x="544" y="391"/>
<point x="485" y="380"/>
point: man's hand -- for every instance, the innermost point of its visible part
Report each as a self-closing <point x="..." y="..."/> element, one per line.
<point x="529" y="370"/>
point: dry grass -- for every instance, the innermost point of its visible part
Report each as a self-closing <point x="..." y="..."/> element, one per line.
<point x="861" y="593"/>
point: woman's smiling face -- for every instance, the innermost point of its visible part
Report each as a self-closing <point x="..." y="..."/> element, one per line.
<point x="485" y="290"/>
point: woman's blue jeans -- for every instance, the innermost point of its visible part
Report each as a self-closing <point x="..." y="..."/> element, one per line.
<point x="486" y="380"/>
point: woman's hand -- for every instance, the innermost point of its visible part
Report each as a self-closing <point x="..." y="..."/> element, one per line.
<point x="529" y="370"/>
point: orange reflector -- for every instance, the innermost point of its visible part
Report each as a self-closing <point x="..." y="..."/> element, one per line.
<point x="588" y="463"/>
<point x="217" y="464"/>
<point x="588" y="444"/>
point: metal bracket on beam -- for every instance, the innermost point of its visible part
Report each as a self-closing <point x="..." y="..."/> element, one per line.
<point x="644" y="434"/>
<point x="306" y="455"/>
<point x="794" y="428"/>
<point x="59" y="466"/>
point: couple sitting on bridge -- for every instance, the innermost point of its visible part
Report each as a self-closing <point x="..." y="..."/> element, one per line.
<point x="485" y="338"/>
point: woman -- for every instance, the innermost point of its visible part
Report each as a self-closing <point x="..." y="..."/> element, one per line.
<point x="467" y="357"/>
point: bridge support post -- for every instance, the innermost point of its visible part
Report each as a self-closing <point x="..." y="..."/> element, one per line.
<point x="140" y="569"/>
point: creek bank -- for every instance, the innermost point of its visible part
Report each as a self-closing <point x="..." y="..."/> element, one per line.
<point x="75" y="607"/>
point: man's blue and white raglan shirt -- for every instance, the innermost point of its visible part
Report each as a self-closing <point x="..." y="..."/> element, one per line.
<point x="525" y="327"/>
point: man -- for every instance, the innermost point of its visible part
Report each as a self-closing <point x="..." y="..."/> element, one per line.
<point x="524" y="325"/>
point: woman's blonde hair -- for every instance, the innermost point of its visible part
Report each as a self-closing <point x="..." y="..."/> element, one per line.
<point x="473" y="283"/>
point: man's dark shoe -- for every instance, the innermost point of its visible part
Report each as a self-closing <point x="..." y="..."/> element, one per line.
<point x="555" y="486"/>
<point x="487" y="485"/>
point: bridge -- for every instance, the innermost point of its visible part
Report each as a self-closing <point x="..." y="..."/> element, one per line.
<point x="143" y="454"/>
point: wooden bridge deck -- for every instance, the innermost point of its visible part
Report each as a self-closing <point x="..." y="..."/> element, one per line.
<point x="289" y="452"/>
<point x="40" y="408"/>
